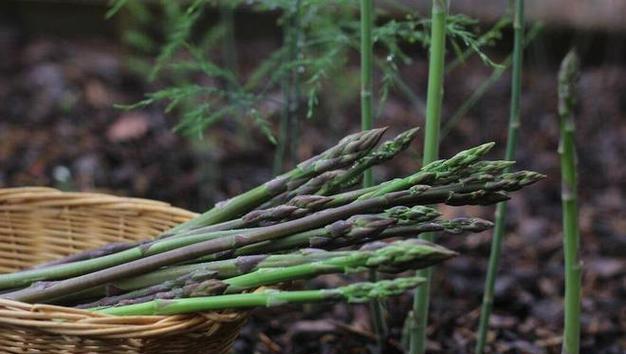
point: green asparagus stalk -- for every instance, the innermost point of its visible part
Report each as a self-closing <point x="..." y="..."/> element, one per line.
<point x="354" y="293"/>
<point x="434" y="100"/>
<point x="348" y="150"/>
<point x="350" y="231"/>
<point x="568" y="77"/>
<point x="186" y="285"/>
<point x="460" y="166"/>
<point x="170" y="251"/>
<point x="511" y="146"/>
<point x="455" y="226"/>
<point x="386" y="257"/>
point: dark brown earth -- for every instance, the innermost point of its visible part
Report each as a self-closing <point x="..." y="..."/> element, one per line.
<point x="58" y="128"/>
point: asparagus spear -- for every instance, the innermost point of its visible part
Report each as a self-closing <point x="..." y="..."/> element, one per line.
<point x="343" y="231"/>
<point x="354" y="293"/>
<point x="350" y="233"/>
<point x="568" y="76"/>
<point x="473" y="192"/>
<point x="384" y="257"/>
<point x="454" y="226"/>
<point x="348" y="150"/>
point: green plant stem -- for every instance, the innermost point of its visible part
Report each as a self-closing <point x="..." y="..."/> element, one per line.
<point x="431" y="153"/>
<point x="355" y="293"/>
<point x="568" y="77"/>
<point x="511" y="146"/>
<point x="367" y="122"/>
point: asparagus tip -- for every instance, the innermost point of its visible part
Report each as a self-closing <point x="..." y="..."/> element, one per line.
<point x="363" y="292"/>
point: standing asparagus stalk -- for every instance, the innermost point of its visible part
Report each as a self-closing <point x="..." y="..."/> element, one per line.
<point x="511" y="146"/>
<point x="431" y="152"/>
<point x="389" y="258"/>
<point x="367" y="122"/>
<point x="354" y="293"/>
<point x="118" y="266"/>
<point x="568" y="76"/>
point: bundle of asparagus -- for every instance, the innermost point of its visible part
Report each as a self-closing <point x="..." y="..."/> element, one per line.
<point x="301" y="224"/>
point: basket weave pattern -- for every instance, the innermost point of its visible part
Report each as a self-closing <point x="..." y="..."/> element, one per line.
<point x="42" y="224"/>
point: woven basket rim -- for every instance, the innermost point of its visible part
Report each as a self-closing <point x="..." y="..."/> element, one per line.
<point x="78" y="322"/>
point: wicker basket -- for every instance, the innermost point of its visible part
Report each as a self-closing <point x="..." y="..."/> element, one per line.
<point x="42" y="224"/>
